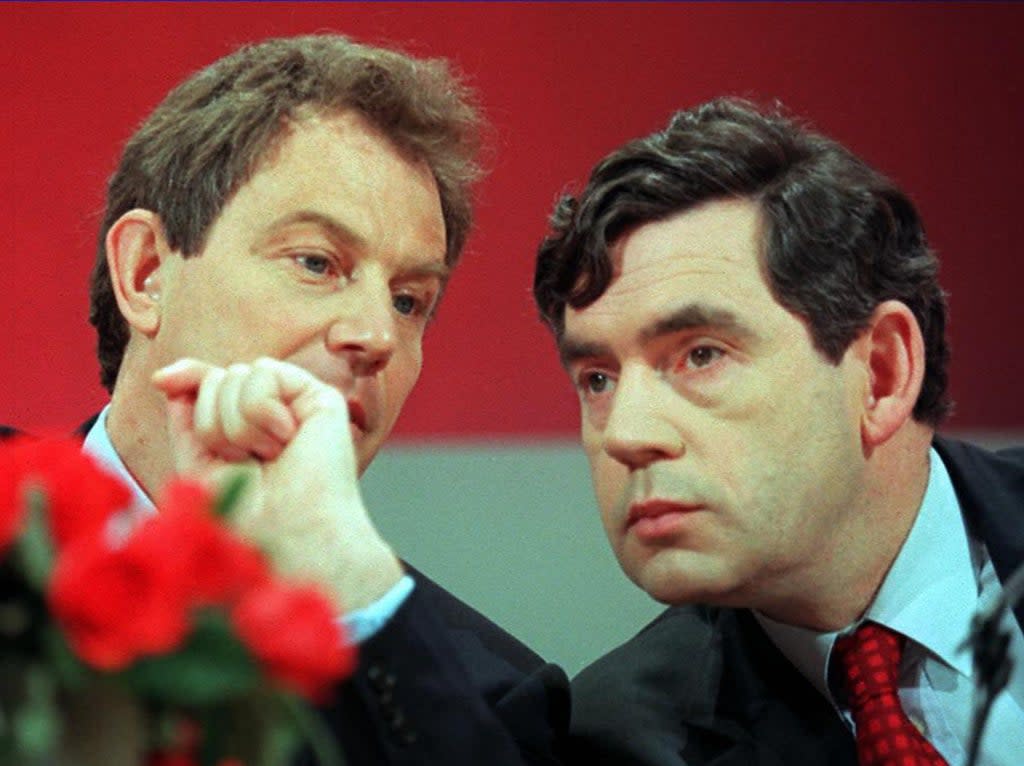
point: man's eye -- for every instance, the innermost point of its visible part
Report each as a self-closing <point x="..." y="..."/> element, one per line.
<point x="406" y="304"/>
<point x="318" y="265"/>
<point x="702" y="356"/>
<point x="596" y="382"/>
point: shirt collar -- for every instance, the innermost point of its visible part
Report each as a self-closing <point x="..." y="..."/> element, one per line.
<point x="97" y="443"/>
<point x="931" y="591"/>
<point x="928" y="595"/>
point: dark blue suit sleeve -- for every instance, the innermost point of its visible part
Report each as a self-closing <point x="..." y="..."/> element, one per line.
<point x="441" y="684"/>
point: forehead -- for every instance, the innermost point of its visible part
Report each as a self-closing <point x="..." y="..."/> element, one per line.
<point x="340" y="167"/>
<point x="722" y="236"/>
<point x="707" y="255"/>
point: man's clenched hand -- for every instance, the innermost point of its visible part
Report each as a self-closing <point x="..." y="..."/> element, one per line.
<point x="290" y="433"/>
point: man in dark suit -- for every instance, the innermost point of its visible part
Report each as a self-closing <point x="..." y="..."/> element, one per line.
<point x="751" y="317"/>
<point x="277" y="235"/>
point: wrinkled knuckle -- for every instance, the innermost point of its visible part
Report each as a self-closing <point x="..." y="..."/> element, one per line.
<point x="253" y="408"/>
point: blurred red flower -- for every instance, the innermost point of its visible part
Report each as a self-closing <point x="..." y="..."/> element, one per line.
<point x="12" y="481"/>
<point x="294" y="632"/>
<point x="218" y="564"/>
<point x="176" y="588"/>
<point x="116" y="604"/>
<point x="80" y="495"/>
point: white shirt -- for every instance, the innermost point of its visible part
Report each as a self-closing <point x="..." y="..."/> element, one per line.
<point x="939" y="579"/>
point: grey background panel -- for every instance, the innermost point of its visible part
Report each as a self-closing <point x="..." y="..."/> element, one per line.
<point x="514" y="531"/>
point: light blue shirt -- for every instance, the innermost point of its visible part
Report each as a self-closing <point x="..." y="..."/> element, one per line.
<point x="939" y="579"/>
<point x="360" y="624"/>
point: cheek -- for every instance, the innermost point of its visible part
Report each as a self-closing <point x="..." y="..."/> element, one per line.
<point x="609" y="479"/>
<point x="591" y="437"/>
<point x="403" y="372"/>
<point x="408" y="370"/>
<point x="782" y="473"/>
<point x="216" y="323"/>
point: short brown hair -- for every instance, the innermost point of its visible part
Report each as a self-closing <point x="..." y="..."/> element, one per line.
<point x="210" y="134"/>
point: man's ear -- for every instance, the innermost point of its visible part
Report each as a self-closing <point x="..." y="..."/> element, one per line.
<point x="893" y="349"/>
<point x="136" y="248"/>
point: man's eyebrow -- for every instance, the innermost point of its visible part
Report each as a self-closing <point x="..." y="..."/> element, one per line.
<point x="334" y="228"/>
<point x="425" y="270"/>
<point x="571" y="350"/>
<point x="689" y="317"/>
<point x="693" y="316"/>
<point x="338" y="231"/>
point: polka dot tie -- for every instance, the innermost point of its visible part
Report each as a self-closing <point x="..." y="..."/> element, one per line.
<point x="870" y="659"/>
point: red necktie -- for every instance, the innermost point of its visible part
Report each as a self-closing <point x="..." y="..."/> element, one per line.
<point x="885" y="736"/>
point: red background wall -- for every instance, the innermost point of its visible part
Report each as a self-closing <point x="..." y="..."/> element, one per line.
<point x="929" y="93"/>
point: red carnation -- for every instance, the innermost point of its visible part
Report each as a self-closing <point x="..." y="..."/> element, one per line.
<point x="118" y="604"/>
<point x="218" y="565"/>
<point x="80" y="495"/>
<point x="10" y="516"/>
<point x="294" y="633"/>
<point x="12" y="480"/>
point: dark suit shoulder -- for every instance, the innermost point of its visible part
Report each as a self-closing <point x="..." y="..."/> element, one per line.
<point x="648" y="661"/>
<point x="990" y="489"/>
<point x="640" y="703"/>
<point x="702" y="685"/>
<point x="969" y="464"/>
<point x="460" y="616"/>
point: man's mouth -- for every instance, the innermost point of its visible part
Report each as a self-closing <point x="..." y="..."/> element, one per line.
<point x="654" y="519"/>
<point x="356" y="414"/>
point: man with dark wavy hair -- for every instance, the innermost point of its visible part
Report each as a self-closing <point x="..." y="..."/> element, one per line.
<point x="751" y="317"/>
<point x="278" y="234"/>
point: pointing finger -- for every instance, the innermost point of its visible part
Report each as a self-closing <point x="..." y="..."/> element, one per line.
<point x="182" y="377"/>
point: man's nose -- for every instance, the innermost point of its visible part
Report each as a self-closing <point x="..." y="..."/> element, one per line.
<point x="640" y="428"/>
<point x="364" y="327"/>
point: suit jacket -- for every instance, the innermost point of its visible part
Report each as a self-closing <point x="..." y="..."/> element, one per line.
<point x="441" y="684"/>
<point x="705" y="685"/>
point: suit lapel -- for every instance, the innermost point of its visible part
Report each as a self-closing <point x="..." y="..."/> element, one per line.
<point x="990" y="488"/>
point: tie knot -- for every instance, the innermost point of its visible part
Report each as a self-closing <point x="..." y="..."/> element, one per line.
<point x="870" y="659"/>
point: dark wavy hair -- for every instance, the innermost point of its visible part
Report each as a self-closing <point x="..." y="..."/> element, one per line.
<point x="211" y="133"/>
<point x="840" y="238"/>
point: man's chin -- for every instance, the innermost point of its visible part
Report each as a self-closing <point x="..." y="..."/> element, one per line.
<point x="366" y="450"/>
<point x="678" y="577"/>
<point x="362" y="463"/>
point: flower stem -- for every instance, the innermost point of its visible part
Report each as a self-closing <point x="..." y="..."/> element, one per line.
<point x="325" y="749"/>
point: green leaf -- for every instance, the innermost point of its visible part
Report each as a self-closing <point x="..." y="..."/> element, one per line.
<point x="213" y="666"/>
<point x="313" y="731"/>
<point x="69" y="671"/>
<point x="230" y="494"/>
<point x="280" y="744"/>
<point x="35" y="723"/>
<point x="35" y="546"/>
